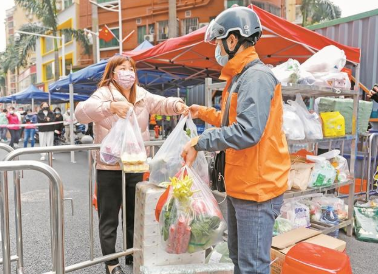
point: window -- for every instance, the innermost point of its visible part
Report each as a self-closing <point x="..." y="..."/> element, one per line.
<point x="10" y="24"/>
<point x="48" y="70"/>
<point x="111" y="44"/>
<point x="163" y="30"/>
<point x="189" y="25"/>
<point x="68" y="3"/>
<point x="48" y="44"/>
<point x="105" y="1"/>
<point x="259" y="4"/>
<point x="142" y="31"/>
<point x="232" y="2"/>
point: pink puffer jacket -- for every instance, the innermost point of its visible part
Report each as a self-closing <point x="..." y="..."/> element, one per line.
<point x="97" y="110"/>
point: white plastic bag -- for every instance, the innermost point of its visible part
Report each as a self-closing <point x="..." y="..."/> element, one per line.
<point x="287" y="72"/>
<point x="339" y="163"/>
<point x="328" y="59"/>
<point x="133" y="155"/>
<point x="334" y="80"/>
<point x="292" y="124"/>
<point x="168" y="161"/>
<point x="323" y="174"/>
<point x="111" y="146"/>
<point x="311" y="121"/>
<point x="297" y="213"/>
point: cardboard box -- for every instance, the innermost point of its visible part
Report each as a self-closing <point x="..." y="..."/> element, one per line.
<point x="281" y="244"/>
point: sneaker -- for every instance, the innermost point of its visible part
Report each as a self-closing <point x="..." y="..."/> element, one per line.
<point x="43" y="158"/>
<point x="15" y="145"/>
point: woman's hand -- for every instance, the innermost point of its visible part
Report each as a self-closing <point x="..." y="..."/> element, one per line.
<point x="194" y="110"/>
<point x="181" y="108"/>
<point x="120" y="108"/>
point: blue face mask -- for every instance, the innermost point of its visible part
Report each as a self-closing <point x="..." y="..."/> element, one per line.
<point x="222" y="60"/>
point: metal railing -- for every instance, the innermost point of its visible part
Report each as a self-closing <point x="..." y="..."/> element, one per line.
<point x="92" y="178"/>
<point x="369" y="185"/>
<point x="57" y="229"/>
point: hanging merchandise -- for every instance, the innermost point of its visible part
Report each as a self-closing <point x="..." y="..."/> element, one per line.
<point x="323" y="173"/>
<point x="311" y="121"/>
<point x="297" y="213"/>
<point x="133" y="155"/>
<point x="191" y="219"/>
<point x="282" y="225"/>
<point x="292" y="124"/>
<point x="168" y="161"/>
<point x="333" y="124"/>
<point x="299" y="175"/>
<point x="111" y="146"/>
<point x="328" y="59"/>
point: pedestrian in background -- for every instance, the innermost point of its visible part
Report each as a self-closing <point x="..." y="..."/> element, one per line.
<point x="21" y="114"/>
<point x="14" y="127"/>
<point x="46" y="132"/>
<point x="3" y="126"/>
<point x="67" y="121"/>
<point x="58" y="127"/>
<point x="29" y="120"/>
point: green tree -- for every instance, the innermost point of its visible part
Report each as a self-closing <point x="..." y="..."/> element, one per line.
<point x="315" y="11"/>
<point x="47" y="13"/>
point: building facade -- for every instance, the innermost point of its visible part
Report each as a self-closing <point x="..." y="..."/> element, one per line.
<point x="45" y="58"/>
<point x="149" y="19"/>
<point x="21" y="79"/>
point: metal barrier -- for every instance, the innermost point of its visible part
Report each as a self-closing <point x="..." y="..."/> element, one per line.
<point x="92" y="177"/>
<point x="56" y="210"/>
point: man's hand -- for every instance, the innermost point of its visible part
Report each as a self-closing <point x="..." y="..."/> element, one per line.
<point x="189" y="154"/>
<point x="194" y="111"/>
<point x="120" y="108"/>
<point x="373" y="91"/>
<point x="182" y="108"/>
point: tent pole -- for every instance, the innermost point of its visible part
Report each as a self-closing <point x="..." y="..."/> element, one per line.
<point x="71" y="122"/>
<point x="32" y="104"/>
<point x="49" y="98"/>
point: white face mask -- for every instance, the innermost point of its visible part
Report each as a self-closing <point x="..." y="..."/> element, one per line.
<point x="222" y="60"/>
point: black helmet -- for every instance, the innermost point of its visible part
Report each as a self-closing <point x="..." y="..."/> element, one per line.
<point x="241" y="19"/>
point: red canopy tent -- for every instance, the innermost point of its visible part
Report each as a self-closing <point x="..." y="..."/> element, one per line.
<point x="281" y="40"/>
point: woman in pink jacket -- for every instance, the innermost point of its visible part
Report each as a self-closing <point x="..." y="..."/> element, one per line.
<point x="118" y="92"/>
<point x="13" y="127"/>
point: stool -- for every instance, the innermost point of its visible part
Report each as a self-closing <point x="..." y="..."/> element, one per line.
<point x="306" y="258"/>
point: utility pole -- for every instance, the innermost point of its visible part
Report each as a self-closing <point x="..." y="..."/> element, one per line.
<point x="172" y="23"/>
<point x="95" y="30"/>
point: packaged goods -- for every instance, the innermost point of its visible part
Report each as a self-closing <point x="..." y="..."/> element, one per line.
<point x="292" y="124"/>
<point x="190" y="220"/>
<point x="297" y="213"/>
<point x="333" y="124"/>
<point x="323" y="173"/>
<point x="366" y="222"/>
<point x="111" y="146"/>
<point x="133" y="155"/>
<point x="328" y="59"/>
<point x="299" y="175"/>
<point x="220" y="254"/>
<point x="168" y="161"/>
<point x="311" y="121"/>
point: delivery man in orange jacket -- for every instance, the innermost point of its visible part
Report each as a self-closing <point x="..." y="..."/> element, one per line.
<point x="257" y="157"/>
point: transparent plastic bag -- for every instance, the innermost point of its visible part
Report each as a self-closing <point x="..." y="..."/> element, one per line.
<point x="311" y="121"/>
<point x="111" y="146"/>
<point x="292" y="124"/>
<point x="315" y="209"/>
<point x="297" y="213"/>
<point x="287" y="72"/>
<point x="133" y="155"/>
<point x="168" y="161"/>
<point x="282" y="225"/>
<point x="328" y="59"/>
<point x="220" y="254"/>
<point x="336" y="203"/>
<point x="323" y="174"/>
<point x="190" y="220"/>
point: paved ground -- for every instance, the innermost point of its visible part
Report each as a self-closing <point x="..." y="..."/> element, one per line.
<point x="35" y="213"/>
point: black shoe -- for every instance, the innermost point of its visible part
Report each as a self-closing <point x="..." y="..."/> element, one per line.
<point x="129" y="260"/>
<point x="116" y="270"/>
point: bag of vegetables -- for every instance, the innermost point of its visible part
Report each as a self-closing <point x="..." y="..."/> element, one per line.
<point x="191" y="219"/>
<point x="111" y="146"/>
<point x="167" y="161"/>
<point x="133" y="153"/>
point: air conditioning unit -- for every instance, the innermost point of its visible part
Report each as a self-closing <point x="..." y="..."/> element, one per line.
<point x="201" y="25"/>
<point x="149" y="38"/>
<point x="188" y="13"/>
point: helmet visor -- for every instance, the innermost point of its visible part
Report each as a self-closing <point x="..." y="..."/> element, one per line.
<point x="214" y="31"/>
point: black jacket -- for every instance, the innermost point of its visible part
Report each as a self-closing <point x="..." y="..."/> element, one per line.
<point x="43" y="119"/>
<point x="59" y="118"/>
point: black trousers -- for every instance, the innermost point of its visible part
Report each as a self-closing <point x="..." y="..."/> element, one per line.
<point x="109" y="201"/>
<point x="15" y="136"/>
